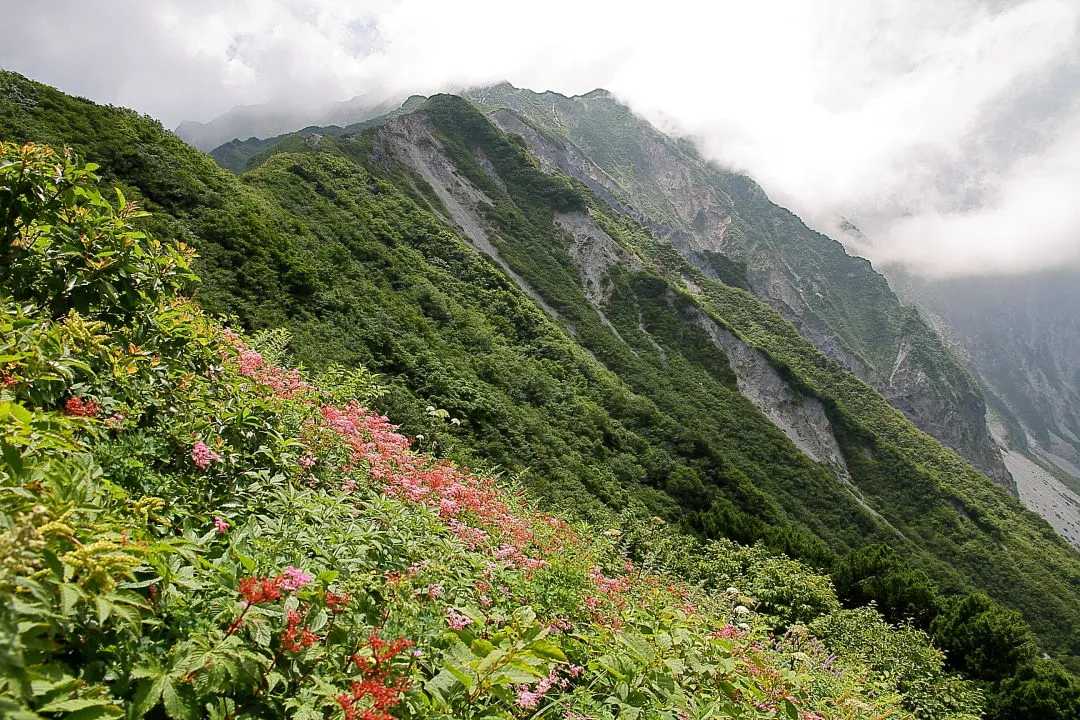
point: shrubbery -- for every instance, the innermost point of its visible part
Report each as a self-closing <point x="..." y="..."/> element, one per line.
<point x="187" y="529"/>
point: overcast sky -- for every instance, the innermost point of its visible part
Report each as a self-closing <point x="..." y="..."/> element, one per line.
<point x="948" y="130"/>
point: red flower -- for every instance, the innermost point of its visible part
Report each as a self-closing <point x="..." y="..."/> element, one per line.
<point x="256" y="590"/>
<point x="337" y="602"/>
<point x="382" y="691"/>
<point x="81" y="408"/>
<point x="295" y="638"/>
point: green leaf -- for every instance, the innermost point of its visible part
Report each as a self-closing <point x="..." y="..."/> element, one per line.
<point x="548" y="650"/>
<point x="70" y="594"/>
<point x="263" y="636"/>
<point x="96" y="713"/>
<point x="443" y="686"/>
<point x="247" y="562"/>
<point x="104" y="609"/>
<point x="73" y="704"/>
<point x="16" y="412"/>
<point x="463" y="676"/>
<point x="147" y="695"/>
<point x="638" y="646"/>
<point x="179" y="702"/>
<point x="481" y="647"/>
<point x="525" y="616"/>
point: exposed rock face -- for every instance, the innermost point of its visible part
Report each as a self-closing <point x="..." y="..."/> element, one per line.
<point x="1043" y="493"/>
<point x="1020" y="337"/>
<point x="594" y="252"/>
<point x="725" y="225"/>
<point x="411" y="140"/>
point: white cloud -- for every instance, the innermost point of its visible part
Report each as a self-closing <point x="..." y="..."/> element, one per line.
<point x="946" y="129"/>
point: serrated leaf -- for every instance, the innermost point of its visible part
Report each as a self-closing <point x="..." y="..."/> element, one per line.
<point x="140" y="672"/>
<point x="638" y="646"/>
<point x="104" y="609"/>
<point x="443" y="686"/>
<point x="318" y="621"/>
<point x="525" y="615"/>
<point x="273" y="680"/>
<point x="515" y="674"/>
<point x="179" y="702"/>
<point x="463" y="677"/>
<point x="147" y="695"/>
<point x="70" y="594"/>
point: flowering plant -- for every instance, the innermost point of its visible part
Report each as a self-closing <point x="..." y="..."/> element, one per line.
<point x="189" y="529"/>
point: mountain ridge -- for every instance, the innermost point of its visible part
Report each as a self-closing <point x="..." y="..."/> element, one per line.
<point x="655" y="170"/>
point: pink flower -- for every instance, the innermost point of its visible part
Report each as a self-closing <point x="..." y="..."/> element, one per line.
<point x="306" y="461"/>
<point x="526" y="699"/>
<point x="293" y="578"/>
<point x="250" y="361"/>
<point x="456" y="620"/>
<point x="202" y="456"/>
<point x="434" y="591"/>
<point x="220" y="525"/>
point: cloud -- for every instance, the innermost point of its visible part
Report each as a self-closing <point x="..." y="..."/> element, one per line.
<point x="947" y="130"/>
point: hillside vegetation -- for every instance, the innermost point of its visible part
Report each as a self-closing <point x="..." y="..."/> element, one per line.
<point x="610" y="412"/>
<point x="724" y="224"/>
<point x="190" y="530"/>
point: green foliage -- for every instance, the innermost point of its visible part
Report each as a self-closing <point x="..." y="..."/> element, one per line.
<point x="1040" y="689"/>
<point x="982" y="639"/>
<point x="905" y="654"/>
<point x="229" y="543"/>
<point x="878" y="574"/>
<point x="341" y="247"/>
<point x="69" y="249"/>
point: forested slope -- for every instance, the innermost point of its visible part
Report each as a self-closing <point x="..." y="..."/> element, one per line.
<point x="189" y="529"/>
<point x="723" y="223"/>
<point x="623" y="398"/>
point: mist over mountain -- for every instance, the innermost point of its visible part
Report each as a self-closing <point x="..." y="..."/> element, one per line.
<point x="268" y="120"/>
<point x="945" y="130"/>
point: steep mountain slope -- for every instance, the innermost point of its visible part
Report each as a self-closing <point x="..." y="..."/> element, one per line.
<point x="189" y="529"/>
<point x="619" y="385"/>
<point x="724" y="225"/>
<point x="1020" y="336"/>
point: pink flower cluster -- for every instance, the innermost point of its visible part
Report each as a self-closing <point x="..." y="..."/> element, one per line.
<point x="202" y="456"/>
<point x="470" y="505"/>
<point x="728" y="631"/>
<point x="285" y="383"/>
<point x="293" y="578"/>
<point x="456" y="620"/>
<point x="528" y="698"/>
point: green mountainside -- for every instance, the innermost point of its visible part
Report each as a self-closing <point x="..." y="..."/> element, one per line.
<point x="725" y="225"/>
<point x="189" y="529"/>
<point x="523" y="326"/>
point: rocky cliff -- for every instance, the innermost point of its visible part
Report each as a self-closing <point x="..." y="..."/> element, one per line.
<point x="725" y="225"/>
